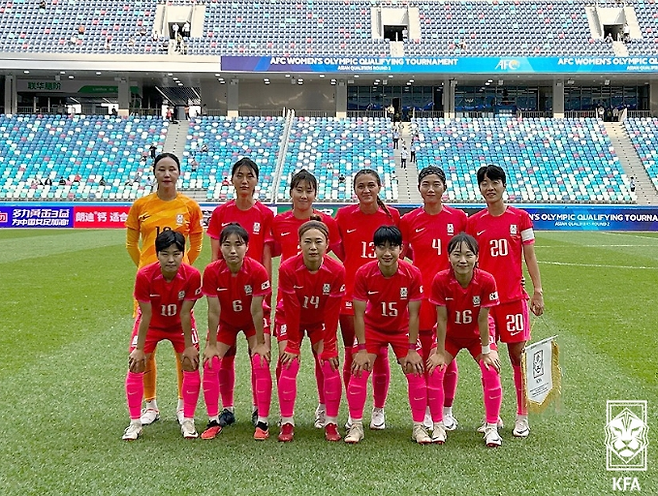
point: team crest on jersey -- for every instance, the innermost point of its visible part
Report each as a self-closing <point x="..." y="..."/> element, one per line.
<point x="513" y="229"/>
<point x="476" y="301"/>
<point x="326" y="288"/>
<point x="451" y="229"/>
<point x="181" y="295"/>
<point x="403" y="293"/>
<point x="248" y="289"/>
<point x="180" y="219"/>
<point x="256" y="227"/>
<point x="265" y="285"/>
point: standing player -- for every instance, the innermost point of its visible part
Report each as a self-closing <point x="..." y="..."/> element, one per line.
<point x="256" y="219"/>
<point x="166" y="209"/>
<point x="463" y="295"/>
<point x="357" y="224"/>
<point x="506" y="238"/>
<point x="303" y="188"/>
<point x="311" y="286"/>
<point x="235" y="286"/>
<point x="387" y="296"/>
<point x="166" y="291"/>
<point x="427" y="231"/>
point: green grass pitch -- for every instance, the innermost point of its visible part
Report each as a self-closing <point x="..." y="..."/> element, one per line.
<point x="65" y="317"/>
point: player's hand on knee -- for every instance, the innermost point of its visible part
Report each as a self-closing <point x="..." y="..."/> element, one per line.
<point x="263" y="351"/>
<point x="137" y="361"/>
<point x="190" y="359"/>
<point x="412" y="363"/>
<point x="360" y="362"/>
<point x="436" y="360"/>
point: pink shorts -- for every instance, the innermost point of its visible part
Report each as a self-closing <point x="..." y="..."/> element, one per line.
<point x="510" y="322"/>
<point x="154" y="336"/>
<point x="376" y="340"/>
<point x="473" y="345"/>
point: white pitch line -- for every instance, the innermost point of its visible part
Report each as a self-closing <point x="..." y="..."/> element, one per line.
<point x="641" y="267"/>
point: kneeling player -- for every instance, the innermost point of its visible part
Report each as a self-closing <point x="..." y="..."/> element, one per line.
<point x="235" y="287"/>
<point x="166" y="291"/>
<point x="463" y="295"/>
<point x="387" y="297"/>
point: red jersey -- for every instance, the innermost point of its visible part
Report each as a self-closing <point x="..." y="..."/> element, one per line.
<point x="310" y="299"/>
<point x="356" y="232"/>
<point x="166" y="298"/>
<point x="501" y="241"/>
<point x="388" y="297"/>
<point x="285" y="233"/>
<point x="257" y="221"/>
<point x="428" y="237"/>
<point x="235" y="291"/>
<point x="463" y="304"/>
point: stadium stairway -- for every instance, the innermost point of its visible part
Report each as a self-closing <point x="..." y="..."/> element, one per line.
<point x="631" y="162"/>
<point x="407" y="178"/>
<point x="175" y="143"/>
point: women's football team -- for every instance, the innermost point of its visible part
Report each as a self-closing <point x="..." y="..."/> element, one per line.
<point x="463" y="289"/>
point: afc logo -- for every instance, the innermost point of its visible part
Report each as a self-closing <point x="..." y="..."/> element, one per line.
<point x="626" y="435"/>
<point x="256" y="227"/>
<point x="4" y="217"/>
<point x="403" y="293"/>
<point x="248" y="289"/>
<point x="508" y="65"/>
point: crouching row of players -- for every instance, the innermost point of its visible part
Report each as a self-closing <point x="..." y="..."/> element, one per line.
<point x="387" y="297"/>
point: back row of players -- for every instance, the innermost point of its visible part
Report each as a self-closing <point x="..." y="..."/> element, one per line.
<point x="472" y="299"/>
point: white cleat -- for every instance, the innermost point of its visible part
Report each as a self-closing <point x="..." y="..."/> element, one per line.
<point x="188" y="429"/>
<point x="320" y="417"/>
<point x="355" y="433"/>
<point x="420" y="435"/>
<point x="149" y="415"/>
<point x="483" y="427"/>
<point x="491" y="437"/>
<point x="450" y="423"/>
<point x="378" y="419"/>
<point x="439" y="434"/>
<point x="427" y="421"/>
<point x="521" y="427"/>
<point x="132" y="432"/>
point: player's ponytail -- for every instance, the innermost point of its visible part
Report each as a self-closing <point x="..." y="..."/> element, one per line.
<point x="373" y="173"/>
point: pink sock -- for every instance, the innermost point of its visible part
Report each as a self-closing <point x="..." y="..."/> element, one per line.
<point x="417" y="396"/>
<point x="287" y="388"/>
<point x="450" y="383"/>
<point x="227" y="380"/>
<point x="211" y="386"/>
<point x="356" y="394"/>
<point x="381" y="377"/>
<point x="332" y="389"/>
<point x="319" y="379"/>
<point x="521" y="407"/>
<point x="134" y="393"/>
<point x="493" y="393"/>
<point x="263" y="384"/>
<point x="347" y="368"/>
<point x="254" y="386"/>
<point x="435" y="394"/>
<point x="277" y="370"/>
<point x="191" y="388"/>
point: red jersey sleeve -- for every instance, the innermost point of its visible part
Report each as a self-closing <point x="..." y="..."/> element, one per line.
<point x="360" y="286"/>
<point x="142" y="287"/>
<point x="193" y="287"/>
<point x="261" y="286"/>
<point x="489" y="292"/>
<point x="215" y="223"/>
<point x="210" y="279"/>
<point x="437" y="294"/>
<point x="291" y="307"/>
<point x="416" y="285"/>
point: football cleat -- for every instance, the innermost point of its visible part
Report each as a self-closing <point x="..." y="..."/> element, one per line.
<point x="483" y="427"/>
<point x="420" y="435"/>
<point x="355" y="433"/>
<point x="188" y="430"/>
<point x="491" y="437"/>
<point x="378" y="419"/>
<point x="149" y="415"/>
<point x="132" y="432"/>
<point x="439" y="434"/>
<point x="262" y="431"/>
<point x="320" y="417"/>
<point x="450" y="423"/>
<point x="227" y="417"/>
<point x="521" y="427"/>
<point x="287" y="433"/>
<point x="331" y="432"/>
<point x="213" y="429"/>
